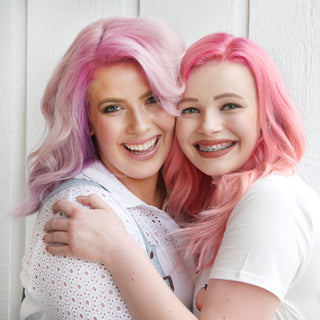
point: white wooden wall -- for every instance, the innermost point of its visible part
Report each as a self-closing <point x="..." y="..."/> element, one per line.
<point x="35" y="33"/>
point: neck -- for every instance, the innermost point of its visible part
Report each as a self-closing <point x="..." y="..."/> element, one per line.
<point x="152" y="190"/>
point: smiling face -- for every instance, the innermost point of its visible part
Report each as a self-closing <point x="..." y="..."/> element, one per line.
<point x="219" y="124"/>
<point x="133" y="132"/>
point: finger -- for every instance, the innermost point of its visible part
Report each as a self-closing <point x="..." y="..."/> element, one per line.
<point x="93" y="201"/>
<point x="56" y="238"/>
<point x="59" y="224"/>
<point x="63" y="250"/>
<point x="66" y="206"/>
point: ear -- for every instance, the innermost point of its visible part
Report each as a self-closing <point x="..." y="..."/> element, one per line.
<point x="91" y="130"/>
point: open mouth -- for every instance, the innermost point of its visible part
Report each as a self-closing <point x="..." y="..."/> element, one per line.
<point x="142" y="148"/>
<point x="214" y="148"/>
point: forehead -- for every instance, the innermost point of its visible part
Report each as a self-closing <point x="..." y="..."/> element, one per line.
<point x="219" y="78"/>
<point x="116" y="78"/>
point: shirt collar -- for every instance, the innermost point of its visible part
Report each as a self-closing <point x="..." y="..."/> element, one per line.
<point x="100" y="174"/>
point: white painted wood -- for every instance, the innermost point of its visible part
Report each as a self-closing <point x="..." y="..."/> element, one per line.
<point x="289" y="31"/>
<point x="194" y="19"/>
<point x="12" y="152"/>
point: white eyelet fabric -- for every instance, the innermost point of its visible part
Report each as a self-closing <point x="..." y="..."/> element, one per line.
<point x="68" y="288"/>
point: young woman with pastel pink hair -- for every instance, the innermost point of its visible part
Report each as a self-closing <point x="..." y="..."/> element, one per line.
<point x="109" y="109"/>
<point x="251" y="224"/>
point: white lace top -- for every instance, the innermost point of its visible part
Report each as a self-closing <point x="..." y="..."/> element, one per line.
<point x="67" y="288"/>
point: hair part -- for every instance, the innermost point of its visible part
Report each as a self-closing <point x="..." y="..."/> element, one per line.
<point x="68" y="148"/>
<point x="278" y="150"/>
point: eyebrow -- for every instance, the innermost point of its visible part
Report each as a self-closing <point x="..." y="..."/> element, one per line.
<point x="188" y="100"/>
<point x="217" y="97"/>
<point x="117" y="100"/>
<point x="147" y="94"/>
<point x="107" y="100"/>
<point x="227" y="94"/>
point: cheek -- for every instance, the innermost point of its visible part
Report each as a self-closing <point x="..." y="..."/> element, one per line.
<point x="183" y="130"/>
<point x="166" y="123"/>
<point x="105" y="132"/>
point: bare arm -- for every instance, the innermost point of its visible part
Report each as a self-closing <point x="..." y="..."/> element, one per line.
<point x="88" y="235"/>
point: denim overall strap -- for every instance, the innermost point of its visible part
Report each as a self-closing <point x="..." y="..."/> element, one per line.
<point x="150" y="248"/>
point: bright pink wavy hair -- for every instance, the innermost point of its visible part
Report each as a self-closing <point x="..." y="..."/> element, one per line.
<point x="68" y="147"/>
<point x="204" y="206"/>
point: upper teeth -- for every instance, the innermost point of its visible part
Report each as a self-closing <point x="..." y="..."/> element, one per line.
<point x="142" y="147"/>
<point x="216" y="147"/>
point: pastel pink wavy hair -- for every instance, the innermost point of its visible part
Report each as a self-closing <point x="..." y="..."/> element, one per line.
<point x="68" y="147"/>
<point x="204" y="206"/>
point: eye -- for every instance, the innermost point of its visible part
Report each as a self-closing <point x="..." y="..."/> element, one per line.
<point x="151" y="100"/>
<point x="190" y="110"/>
<point x="230" y="106"/>
<point x="111" y="108"/>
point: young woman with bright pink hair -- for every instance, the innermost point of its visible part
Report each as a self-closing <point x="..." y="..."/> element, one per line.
<point x="109" y="109"/>
<point x="251" y="224"/>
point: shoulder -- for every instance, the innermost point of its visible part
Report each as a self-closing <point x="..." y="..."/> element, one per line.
<point x="275" y="193"/>
<point x="286" y="196"/>
<point x="282" y="208"/>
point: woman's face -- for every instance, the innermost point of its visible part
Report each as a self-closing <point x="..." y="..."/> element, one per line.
<point x="133" y="132"/>
<point x="219" y="124"/>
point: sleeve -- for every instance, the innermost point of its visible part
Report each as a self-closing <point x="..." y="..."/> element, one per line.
<point x="70" y="288"/>
<point x="265" y="241"/>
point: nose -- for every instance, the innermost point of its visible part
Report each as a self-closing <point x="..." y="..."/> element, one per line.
<point x="138" y="121"/>
<point x="210" y="123"/>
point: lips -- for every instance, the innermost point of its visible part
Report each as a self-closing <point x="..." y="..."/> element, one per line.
<point x="142" y="147"/>
<point x="214" y="149"/>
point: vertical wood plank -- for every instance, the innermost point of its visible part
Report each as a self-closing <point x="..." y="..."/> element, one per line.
<point x="194" y="19"/>
<point x="289" y="31"/>
<point x="12" y="152"/>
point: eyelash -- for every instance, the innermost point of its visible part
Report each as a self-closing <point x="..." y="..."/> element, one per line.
<point x="228" y="105"/>
<point x="151" y="100"/>
<point x="111" y="108"/>
<point x="190" y="110"/>
<point x="114" y="108"/>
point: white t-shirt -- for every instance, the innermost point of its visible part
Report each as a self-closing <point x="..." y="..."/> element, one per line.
<point x="67" y="288"/>
<point x="272" y="240"/>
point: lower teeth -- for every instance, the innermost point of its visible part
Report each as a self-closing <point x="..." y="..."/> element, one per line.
<point x="213" y="149"/>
